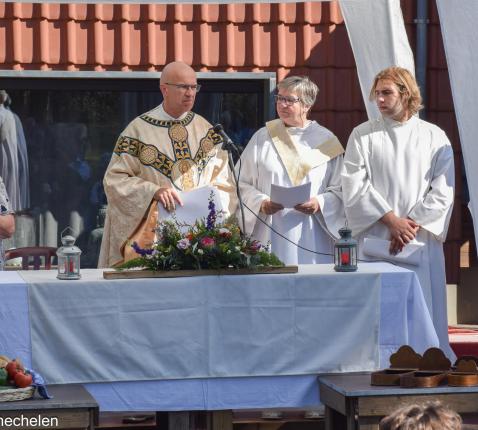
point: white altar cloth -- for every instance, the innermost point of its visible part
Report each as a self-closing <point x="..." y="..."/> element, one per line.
<point x="314" y="321"/>
<point x="403" y="319"/>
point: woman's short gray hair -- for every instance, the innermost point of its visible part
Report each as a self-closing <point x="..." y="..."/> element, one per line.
<point x="305" y="89"/>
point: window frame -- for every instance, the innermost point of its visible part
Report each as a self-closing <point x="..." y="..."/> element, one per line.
<point x="143" y="81"/>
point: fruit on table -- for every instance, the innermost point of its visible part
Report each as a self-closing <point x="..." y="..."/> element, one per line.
<point x="23" y="380"/>
<point x="13" y="367"/>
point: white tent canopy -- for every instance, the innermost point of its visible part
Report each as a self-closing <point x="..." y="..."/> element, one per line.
<point x="458" y="24"/>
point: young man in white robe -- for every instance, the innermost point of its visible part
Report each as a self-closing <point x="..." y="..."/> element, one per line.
<point x="291" y="151"/>
<point x="164" y="151"/>
<point x="398" y="186"/>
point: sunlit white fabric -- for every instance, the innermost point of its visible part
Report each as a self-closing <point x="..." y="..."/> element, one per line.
<point x="458" y="25"/>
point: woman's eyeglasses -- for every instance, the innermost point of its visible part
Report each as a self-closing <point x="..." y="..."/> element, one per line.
<point x="288" y="101"/>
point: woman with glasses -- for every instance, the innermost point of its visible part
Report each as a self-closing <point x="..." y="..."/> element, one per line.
<point x="292" y="151"/>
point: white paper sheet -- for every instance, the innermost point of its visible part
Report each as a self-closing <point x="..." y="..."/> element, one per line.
<point x="195" y="206"/>
<point x="411" y="253"/>
<point x="290" y="196"/>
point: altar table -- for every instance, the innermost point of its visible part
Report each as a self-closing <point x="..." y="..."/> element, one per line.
<point x="402" y="314"/>
<point x="352" y="403"/>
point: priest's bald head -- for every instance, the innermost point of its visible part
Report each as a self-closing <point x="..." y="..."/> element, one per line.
<point x="179" y="86"/>
<point x="396" y="93"/>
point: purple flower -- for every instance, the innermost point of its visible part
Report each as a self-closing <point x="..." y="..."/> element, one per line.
<point x="211" y="218"/>
<point x="141" y="251"/>
<point x="183" y="243"/>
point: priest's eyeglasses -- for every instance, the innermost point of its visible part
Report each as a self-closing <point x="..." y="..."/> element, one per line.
<point x="288" y="101"/>
<point x="185" y="87"/>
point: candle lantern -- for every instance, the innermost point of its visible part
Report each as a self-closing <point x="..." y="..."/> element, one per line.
<point x="68" y="258"/>
<point x="345" y="253"/>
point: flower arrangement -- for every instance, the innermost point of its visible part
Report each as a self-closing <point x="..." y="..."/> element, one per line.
<point x="207" y="244"/>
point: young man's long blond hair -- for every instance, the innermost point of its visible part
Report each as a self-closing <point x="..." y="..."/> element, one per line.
<point x="407" y="86"/>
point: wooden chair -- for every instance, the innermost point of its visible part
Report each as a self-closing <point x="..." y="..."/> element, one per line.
<point x="31" y="255"/>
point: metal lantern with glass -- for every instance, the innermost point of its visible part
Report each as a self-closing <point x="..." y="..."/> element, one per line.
<point x="345" y="251"/>
<point x="68" y="258"/>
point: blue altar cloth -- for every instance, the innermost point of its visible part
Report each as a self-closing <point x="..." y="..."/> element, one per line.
<point x="100" y="330"/>
<point x="404" y="319"/>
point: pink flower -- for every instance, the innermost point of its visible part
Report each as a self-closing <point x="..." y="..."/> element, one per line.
<point x="207" y="242"/>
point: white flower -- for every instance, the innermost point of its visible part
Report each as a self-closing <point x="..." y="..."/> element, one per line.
<point x="200" y="251"/>
<point x="183" y="243"/>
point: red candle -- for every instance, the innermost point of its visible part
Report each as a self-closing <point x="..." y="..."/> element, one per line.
<point x="345" y="258"/>
<point x="71" y="266"/>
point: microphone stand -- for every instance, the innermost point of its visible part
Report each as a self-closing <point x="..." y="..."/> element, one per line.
<point x="229" y="146"/>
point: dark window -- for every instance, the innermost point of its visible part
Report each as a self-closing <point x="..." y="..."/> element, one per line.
<point x="70" y="128"/>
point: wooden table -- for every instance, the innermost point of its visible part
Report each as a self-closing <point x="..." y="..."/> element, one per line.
<point x="72" y="406"/>
<point x="352" y="403"/>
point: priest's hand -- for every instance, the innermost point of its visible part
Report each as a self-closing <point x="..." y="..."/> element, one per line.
<point x="168" y="197"/>
<point x="309" y="207"/>
<point x="270" y="208"/>
<point x="402" y="231"/>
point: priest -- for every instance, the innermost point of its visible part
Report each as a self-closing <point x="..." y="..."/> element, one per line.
<point x="161" y="152"/>
<point x="291" y="151"/>
<point x="398" y="186"/>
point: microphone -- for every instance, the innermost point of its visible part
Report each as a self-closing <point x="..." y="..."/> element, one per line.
<point x="228" y="145"/>
<point x="219" y="129"/>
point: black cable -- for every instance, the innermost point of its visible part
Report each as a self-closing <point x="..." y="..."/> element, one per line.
<point x="236" y="178"/>
<point x="230" y="145"/>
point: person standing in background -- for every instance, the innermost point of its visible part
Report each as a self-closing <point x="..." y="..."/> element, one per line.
<point x="7" y="220"/>
<point x="9" y="153"/>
